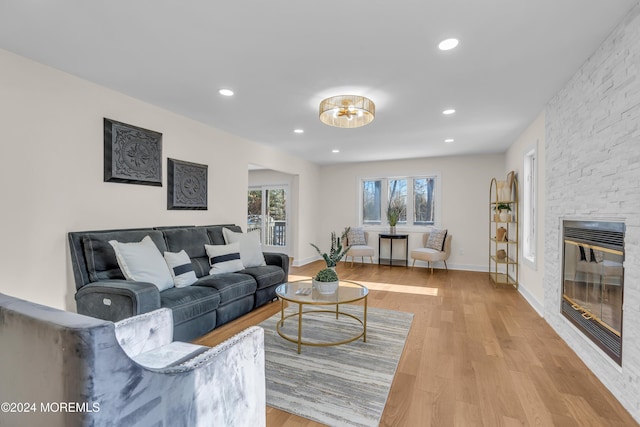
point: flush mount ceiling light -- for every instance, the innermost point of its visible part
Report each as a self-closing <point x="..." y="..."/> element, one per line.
<point x="347" y="111"/>
<point x="225" y="92"/>
<point x="448" y="112"/>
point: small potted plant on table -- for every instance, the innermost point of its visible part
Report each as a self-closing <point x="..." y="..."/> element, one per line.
<point x="326" y="281"/>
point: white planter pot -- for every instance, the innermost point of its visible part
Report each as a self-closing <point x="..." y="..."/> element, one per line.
<point x="505" y="216"/>
<point x="325" y="288"/>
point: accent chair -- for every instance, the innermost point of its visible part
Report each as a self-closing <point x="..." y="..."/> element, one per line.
<point x="431" y="255"/>
<point x="359" y="246"/>
<point x="128" y="373"/>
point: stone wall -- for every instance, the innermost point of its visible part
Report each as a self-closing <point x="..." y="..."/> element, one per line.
<point x="593" y="172"/>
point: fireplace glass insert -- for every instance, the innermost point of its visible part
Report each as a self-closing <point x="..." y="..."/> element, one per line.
<point x="593" y="283"/>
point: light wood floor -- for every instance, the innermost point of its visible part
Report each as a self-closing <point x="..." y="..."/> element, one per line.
<point x="475" y="356"/>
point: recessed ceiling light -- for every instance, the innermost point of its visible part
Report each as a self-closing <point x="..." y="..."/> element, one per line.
<point x="298" y="131"/>
<point x="448" y="140"/>
<point x="335" y="151"/>
<point x="448" y="44"/>
<point x="449" y="111"/>
<point x="225" y="92"/>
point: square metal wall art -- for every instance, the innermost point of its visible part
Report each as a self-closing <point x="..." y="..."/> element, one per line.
<point x="131" y="154"/>
<point x="186" y="185"/>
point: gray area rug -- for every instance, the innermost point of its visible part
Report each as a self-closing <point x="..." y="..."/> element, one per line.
<point x="344" y="385"/>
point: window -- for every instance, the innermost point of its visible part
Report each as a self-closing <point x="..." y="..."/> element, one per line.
<point x="371" y="202"/>
<point x="417" y="195"/>
<point x="529" y="208"/>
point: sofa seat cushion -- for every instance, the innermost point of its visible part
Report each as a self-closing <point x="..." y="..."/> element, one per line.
<point x="190" y="302"/>
<point x="266" y="275"/>
<point x="231" y="286"/>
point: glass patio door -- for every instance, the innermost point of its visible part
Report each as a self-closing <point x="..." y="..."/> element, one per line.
<point x="267" y="215"/>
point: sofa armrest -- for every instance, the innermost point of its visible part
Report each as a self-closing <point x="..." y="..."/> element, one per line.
<point x="279" y="259"/>
<point x="235" y="370"/>
<point x="115" y="300"/>
<point x="145" y="332"/>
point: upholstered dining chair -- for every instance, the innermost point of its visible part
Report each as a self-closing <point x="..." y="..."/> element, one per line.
<point x="125" y="373"/>
<point x="432" y="254"/>
<point x="358" y="240"/>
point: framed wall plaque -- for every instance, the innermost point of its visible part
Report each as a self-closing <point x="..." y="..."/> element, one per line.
<point x="186" y="185"/>
<point x="131" y="154"/>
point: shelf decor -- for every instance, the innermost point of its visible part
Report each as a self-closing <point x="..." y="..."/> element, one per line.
<point x="132" y="155"/>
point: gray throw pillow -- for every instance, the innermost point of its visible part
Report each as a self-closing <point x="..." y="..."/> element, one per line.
<point x="436" y="240"/>
<point x="355" y="236"/>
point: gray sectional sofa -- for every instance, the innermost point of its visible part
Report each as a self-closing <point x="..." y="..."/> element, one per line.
<point x="104" y="293"/>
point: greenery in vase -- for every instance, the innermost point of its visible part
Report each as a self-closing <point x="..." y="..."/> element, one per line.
<point x="395" y="210"/>
<point x="503" y="207"/>
<point x="326" y="275"/>
<point x="337" y="251"/>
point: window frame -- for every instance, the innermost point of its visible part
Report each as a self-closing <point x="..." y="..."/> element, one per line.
<point x="530" y="207"/>
<point x="384" y="200"/>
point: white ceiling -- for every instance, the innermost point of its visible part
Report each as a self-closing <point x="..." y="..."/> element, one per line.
<point x="282" y="57"/>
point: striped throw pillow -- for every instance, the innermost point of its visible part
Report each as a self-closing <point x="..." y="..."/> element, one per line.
<point x="224" y="258"/>
<point x="181" y="269"/>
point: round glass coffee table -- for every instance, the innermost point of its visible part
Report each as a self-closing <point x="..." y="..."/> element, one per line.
<point x="301" y="292"/>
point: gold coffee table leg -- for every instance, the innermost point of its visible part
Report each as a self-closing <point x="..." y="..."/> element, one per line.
<point x="299" y="327"/>
<point x="364" y="335"/>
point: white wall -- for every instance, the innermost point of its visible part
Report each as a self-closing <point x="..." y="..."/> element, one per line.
<point x="593" y="171"/>
<point x="52" y="174"/>
<point x="530" y="277"/>
<point x="465" y="201"/>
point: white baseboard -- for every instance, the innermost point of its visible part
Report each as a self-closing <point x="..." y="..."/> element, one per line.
<point x="531" y="299"/>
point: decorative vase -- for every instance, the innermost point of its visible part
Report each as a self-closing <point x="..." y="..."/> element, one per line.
<point x="325" y="288"/>
<point x="392" y="229"/>
<point x="501" y="234"/>
<point x="501" y="254"/>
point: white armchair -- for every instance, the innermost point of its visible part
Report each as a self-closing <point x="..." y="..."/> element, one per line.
<point x="432" y="255"/>
<point x="355" y="238"/>
<point x="129" y="373"/>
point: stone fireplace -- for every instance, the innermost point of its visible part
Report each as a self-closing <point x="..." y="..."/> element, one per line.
<point x="592" y="171"/>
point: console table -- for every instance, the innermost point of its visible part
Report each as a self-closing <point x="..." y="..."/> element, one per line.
<point x="391" y="238"/>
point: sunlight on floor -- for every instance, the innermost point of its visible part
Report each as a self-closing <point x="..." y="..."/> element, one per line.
<point x="389" y="287"/>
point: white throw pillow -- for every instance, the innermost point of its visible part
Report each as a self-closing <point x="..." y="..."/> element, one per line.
<point x="250" y="247"/>
<point x="143" y="262"/>
<point x="224" y="258"/>
<point x="180" y="268"/>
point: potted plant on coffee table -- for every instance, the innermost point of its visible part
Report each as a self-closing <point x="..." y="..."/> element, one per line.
<point x="326" y="281"/>
<point x="337" y="251"/>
